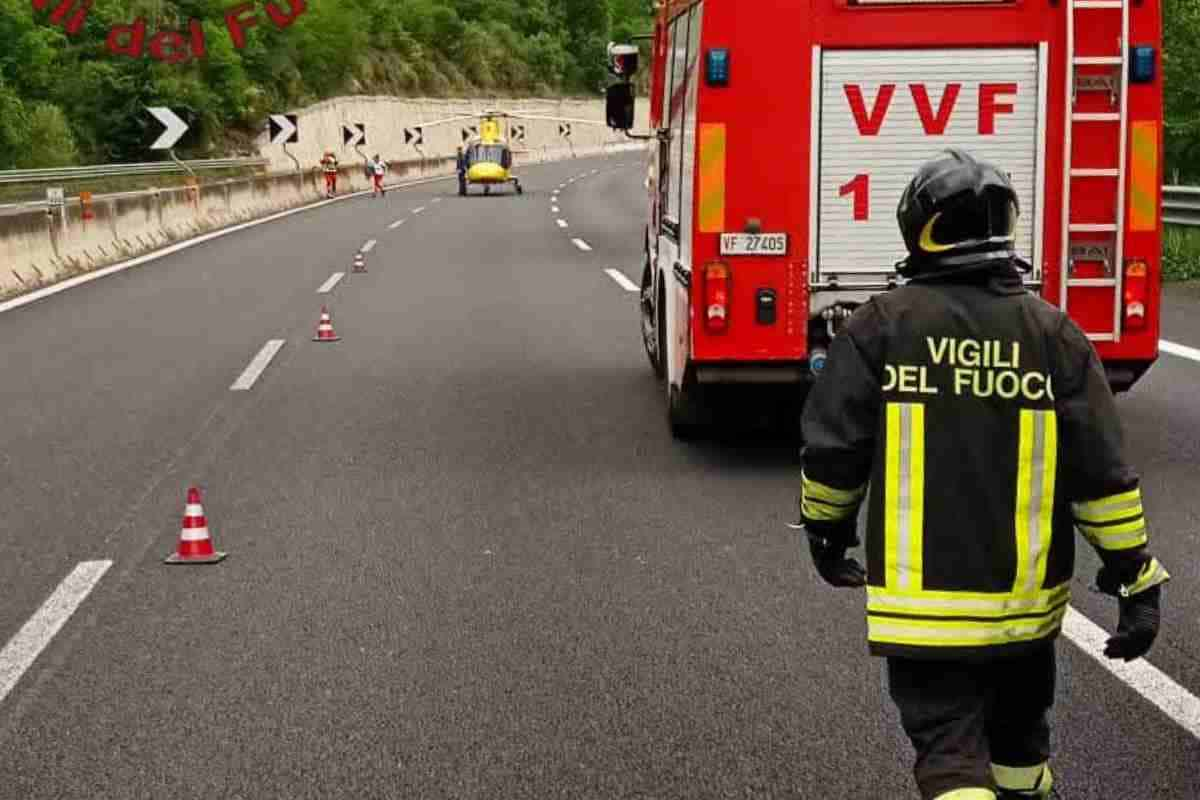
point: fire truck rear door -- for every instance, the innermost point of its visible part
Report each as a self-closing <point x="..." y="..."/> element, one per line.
<point x="882" y="113"/>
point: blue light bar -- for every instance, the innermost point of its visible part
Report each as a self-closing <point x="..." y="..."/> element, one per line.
<point x="1142" y="64"/>
<point x="717" y="66"/>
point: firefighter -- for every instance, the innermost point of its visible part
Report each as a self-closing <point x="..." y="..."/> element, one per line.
<point x="329" y="165"/>
<point x="460" y="165"/>
<point x="977" y="423"/>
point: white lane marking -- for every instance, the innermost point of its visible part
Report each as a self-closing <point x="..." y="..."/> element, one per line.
<point x="418" y="209"/>
<point x="1183" y="351"/>
<point x="562" y="186"/>
<point x="50" y="291"/>
<point x="553" y="209"/>
<point x="261" y="361"/>
<point x="328" y="285"/>
<point x="595" y="172"/>
<point x="562" y="223"/>
<point x="1171" y="698"/>
<point x="437" y="199"/>
<point x="621" y="280"/>
<point x="582" y="245"/>
<point x="369" y="246"/>
<point x="396" y="224"/>
<point x="28" y="643"/>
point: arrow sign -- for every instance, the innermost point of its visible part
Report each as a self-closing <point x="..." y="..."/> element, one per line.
<point x="414" y="136"/>
<point x="175" y="128"/>
<point x="467" y="133"/>
<point x="354" y="135"/>
<point x="518" y="133"/>
<point x="564" y="130"/>
<point x="284" y="129"/>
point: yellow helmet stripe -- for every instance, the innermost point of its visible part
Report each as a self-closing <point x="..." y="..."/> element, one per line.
<point x="927" y="242"/>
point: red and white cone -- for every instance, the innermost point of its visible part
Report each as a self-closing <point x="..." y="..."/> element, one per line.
<point x="195" y="543"/>
<point x="360" y="264"/>
<point x="325" y="328"/>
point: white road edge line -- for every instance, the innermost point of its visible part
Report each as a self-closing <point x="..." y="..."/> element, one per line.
<point x="562" y="223"/>
<point x="71" y="283"/>
<point x="261" y="361"/>
<point x="333" y="281"/>
<point x="369" y="246"/>
<point x="1142" y="676"/>
<point x="396" y="224"/>
<point x="29" y="642"/>
<point x="582" y="245"/>
<point x="1183" y="351"/>
<point x="621" y="280"/>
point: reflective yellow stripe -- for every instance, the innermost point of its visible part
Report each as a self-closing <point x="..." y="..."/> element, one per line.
<point x="1116" y="537"/>
<point x="961" y="633"/>
<point x="1143" y="177"/>
<point x="1038" y="454"/>
<point x="711" y="213"/>
<point x="929" y="604"/>
<point x="968" y="794"/>
<point x="829" y="494"/>
<point x="1106" y="509"/>
<point x="1035" y="780"/>
<point x="1152" y="574"/>
<point x="904" y="497"/>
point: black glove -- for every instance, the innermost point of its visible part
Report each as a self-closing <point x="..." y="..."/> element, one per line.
<point x="1137" y="627"/>
<point x="828" y="548"/>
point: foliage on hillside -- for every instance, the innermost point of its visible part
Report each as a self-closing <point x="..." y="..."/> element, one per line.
<point x="1181" y="67"/>
<point x="66" y="99"/>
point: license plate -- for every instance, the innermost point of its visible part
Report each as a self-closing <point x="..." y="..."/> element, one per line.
<point x="754" y="244"/>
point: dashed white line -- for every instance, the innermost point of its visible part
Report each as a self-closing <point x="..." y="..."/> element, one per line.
<point x="553" y="209"/>
<point x="28" y="643"/>
<point x="396" y="224"/>
<point x="1183" y="351"/>
<point x="437" y="199"/>
<point x="1146" y="679"/>
<point x="261" y="361"/>
<point x="562" y="223"/>
<point x="562" y="186"/>
<point x="333" y="281"/>
<point x="582" y="245"/>
<point x="369" y="246"/>
<point x="621" y="280"/>
<point x="418" y="209"/>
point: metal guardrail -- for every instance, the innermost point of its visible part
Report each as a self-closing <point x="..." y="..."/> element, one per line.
<point x="65" y="174"/>
<point x="1181" y="205"/>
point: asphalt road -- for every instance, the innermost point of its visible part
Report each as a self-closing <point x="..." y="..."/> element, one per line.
<point x="466" y="558"/>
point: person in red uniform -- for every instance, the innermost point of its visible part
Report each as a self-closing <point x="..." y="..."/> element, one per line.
<point x="329" y="165"/>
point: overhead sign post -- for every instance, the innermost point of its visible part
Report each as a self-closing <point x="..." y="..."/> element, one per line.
<point x="284" y="129"/>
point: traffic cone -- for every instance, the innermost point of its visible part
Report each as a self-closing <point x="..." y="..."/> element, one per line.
<point x="325" y="328"/>
<point x="195" y="545"/>
<point x="360" y="264"/>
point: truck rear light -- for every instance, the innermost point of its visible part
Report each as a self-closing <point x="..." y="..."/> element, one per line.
<point x="718" y="290"/>
<point x="1136" y="277"/>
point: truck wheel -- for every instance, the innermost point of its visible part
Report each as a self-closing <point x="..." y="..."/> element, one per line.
<point x="653" y="324"/>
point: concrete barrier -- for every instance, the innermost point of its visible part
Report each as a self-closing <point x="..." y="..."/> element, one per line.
<point x="39" y="248"/>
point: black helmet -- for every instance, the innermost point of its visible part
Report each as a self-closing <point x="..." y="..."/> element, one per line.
<point x="958" y="215"/>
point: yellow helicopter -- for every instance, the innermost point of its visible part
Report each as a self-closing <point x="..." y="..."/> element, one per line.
<point x="486" y="157"/>
<point x="486" y="160"/>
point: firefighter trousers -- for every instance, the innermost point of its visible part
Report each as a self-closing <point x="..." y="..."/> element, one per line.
<point x="965" y="718"/>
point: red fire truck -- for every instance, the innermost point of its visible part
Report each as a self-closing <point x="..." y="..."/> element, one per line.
<point x="785" y="132"/>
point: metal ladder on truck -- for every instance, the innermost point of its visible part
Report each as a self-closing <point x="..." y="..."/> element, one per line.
<point x="1110" y="253"/>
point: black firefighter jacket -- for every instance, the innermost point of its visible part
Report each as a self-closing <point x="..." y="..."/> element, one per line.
<point x="977" y="422"/>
